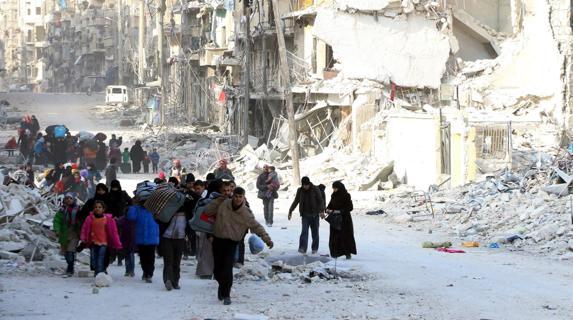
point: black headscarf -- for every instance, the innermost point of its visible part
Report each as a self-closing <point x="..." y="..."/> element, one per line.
<point x="119" y="200"/>
<point x="340" y="200"/>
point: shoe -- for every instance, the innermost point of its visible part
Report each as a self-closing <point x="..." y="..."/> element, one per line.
<point x="127" y="274"/>
<point x="168" y="285"/>
<point x="219" y="295"/>
<point x="301" y="251"/>
<point x="237" y="265"/>
<point x="348" y="257"/>
<point x="205" y="277"/>
<point x="176" y="286"/>
<point x="148" y="280"/>
<point x="314" y="251"/>
<point x="227" y="301"/>
<point x="132" y="274"/>
<point x="68" y="275"/>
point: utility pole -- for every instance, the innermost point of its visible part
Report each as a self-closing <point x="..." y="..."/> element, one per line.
<point x="140" y="43"/>
<point x="247" y="75"/>
<point x="160" y="57"/>
<point x="293" y="135"/>
<point x="119" y="44"/>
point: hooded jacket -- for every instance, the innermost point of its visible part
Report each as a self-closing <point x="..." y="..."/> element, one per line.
<point x="110" y="230"/>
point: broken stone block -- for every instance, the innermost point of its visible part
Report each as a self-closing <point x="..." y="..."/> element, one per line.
<point x="54" y="264"/>
<point x="244" y="316"/>
<point x="548" y="232"/>
<point x="85" y="274"/>
<point x="12" y="246"/>
<point x="29" y="250"/>
<point x="7" y="255"/>
<point x="103" y="280"/>
<point x="127" y="122"/>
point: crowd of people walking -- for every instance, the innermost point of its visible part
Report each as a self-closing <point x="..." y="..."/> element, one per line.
<point x="175" y="216"/>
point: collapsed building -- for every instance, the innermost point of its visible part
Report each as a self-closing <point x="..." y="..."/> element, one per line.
<point x="438" y="88"/>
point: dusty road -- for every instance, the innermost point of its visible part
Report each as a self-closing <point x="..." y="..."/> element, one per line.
<point x="405" y="281"/>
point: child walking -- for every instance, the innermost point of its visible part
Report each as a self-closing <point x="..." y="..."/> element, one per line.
<point x="99" y="232"/>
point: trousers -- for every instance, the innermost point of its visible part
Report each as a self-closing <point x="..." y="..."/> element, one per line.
<point x="147" y="259"/>
<point x="224" y="254"/>
<point x="172" y="251"/>
<point x="312" y="222"/>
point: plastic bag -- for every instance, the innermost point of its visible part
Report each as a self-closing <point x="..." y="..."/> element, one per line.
<point x="256" y="244"/>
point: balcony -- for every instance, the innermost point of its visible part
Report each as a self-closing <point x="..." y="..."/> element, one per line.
<point x="208" y="56"/>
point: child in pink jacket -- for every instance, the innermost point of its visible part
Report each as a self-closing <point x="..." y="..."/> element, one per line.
<point x="99" y="232"/>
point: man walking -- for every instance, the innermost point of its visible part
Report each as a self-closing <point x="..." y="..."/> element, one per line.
<point x="233" y="220"/>
<point x="311" y="205"/>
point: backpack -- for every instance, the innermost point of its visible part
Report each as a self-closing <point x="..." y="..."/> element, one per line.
<point x="164" y="202"/>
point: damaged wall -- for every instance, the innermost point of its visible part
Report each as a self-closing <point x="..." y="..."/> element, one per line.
<point x="531" y="65"/>
<point x="413" y="143"/>
<point x="409" y="50"/>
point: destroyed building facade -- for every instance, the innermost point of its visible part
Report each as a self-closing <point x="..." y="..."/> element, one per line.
<point x="449" y="82"/>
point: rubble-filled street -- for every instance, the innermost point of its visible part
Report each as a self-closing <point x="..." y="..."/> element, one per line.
<point x="392" y="277"/>
<point x="286" y="159"/>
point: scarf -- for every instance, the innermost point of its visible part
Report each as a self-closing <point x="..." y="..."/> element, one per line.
<point x="71" y="214"/>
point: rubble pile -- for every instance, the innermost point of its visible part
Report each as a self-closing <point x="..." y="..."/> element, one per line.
<point x="509" y="210"/>
<point x="326" y="167"/>
<point x="27" y="243"/>
<point x="298" y="269"/>
<point x="18" y="199"/>
<point x="198" y="151"/>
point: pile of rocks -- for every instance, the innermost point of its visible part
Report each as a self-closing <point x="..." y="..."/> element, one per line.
<point x="297" y="269"/>
<point x="26" y="240"/>
<point x="493" y="212"/>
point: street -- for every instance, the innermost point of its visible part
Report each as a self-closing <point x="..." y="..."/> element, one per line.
<point x="402" y="280"/>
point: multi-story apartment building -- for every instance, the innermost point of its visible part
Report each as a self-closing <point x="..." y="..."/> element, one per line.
<point x="66" y="45"/>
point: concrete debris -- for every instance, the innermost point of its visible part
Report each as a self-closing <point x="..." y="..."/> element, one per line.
<point x="297" y="269"/>
<point x="103" y="280"/>
<point x="17" y="199"/>
<point x="27" y="243"/>
<point x="508" y="209"/>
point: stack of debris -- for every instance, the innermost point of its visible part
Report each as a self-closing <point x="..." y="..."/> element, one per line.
<point x="509" y="209"/>
<point x="326" y="167"/>
<point x="298" y="269"/>
<point x="27" y="243"/>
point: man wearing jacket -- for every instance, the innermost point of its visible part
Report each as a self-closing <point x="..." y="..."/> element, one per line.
<point x="233" y="220"/>
<point x="311" y="205"/>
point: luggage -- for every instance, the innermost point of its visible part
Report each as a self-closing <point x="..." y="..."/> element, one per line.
<point x="202" y="222"/>
<point x="164" y="202"/>
<point x="144" y="190"/>
<point x="256" y="244"/>
<point x="84" y="136"/>
<point x="60" y="131"/>
<point x="126" y="167"/>
<point x="100" y="136"/>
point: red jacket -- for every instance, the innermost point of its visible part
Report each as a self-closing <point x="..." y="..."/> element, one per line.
<point x="11" y="144"/>
<point x="110" y="229"/>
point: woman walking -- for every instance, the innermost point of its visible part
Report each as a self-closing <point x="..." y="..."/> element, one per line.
<point x="341" y="242"/>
